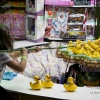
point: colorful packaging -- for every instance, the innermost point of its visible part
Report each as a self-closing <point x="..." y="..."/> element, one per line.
<point x="19" y="26"/>
<point x="6" y="19"/>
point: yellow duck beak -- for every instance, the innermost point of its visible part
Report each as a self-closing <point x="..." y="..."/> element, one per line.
<point x="49" y="77"/>
<point x="38" y="79"/>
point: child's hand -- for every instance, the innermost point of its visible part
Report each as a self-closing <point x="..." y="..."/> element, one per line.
<point x="24" y="52"/>
<point x="34" y="51"/>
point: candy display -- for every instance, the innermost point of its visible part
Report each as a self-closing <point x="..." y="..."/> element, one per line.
<point x="86" y="53"/>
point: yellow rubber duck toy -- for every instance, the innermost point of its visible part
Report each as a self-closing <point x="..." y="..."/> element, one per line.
<point x="75" y="51"/>
<point x="78" y="42"/>
<point x="37" y="85"/>
<point x="71" y="43"/>
<point x="47" y="83"/>
<point x="71" y="87"/>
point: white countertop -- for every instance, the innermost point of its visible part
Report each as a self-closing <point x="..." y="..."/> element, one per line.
<point x="25" y="43"/>
<point x="21" y="84"/>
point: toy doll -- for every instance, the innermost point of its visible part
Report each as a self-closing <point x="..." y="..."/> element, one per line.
<point x="33" y="27"/>
<point x="59" y="24"/>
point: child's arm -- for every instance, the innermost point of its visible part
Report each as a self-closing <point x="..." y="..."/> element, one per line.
<point x="17" y="54"/>
<point x="18" y="66"/>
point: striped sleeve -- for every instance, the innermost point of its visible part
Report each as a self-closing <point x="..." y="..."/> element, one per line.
<point x="4" y="57"/>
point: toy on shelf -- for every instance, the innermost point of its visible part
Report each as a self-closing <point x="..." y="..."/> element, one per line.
<point x="49" y="19"/>
<point x="71" y="87"/>
<point x="90" y="15"/>
<point x="35" y="6"/>
<point x="90" y="30"/>
<point x="65" y="22"/>
<point x="37" y="85"/>
<point x="13" y="16"/>
<point x="35" y="20"/>
<point x="47" y="83"/>
<point x="75" y="25"/>
<point x="34" y="28"/>
<point x="14" y="19"/>
<point x="57" y="17"/>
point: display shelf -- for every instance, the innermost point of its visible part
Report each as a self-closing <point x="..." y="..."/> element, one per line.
<point x="76" y="20"/>
<point x="59" y="39"/>
<point x="65" y="3"/>
<point x="66" y="40"/>
<point x="25" y="43"/>
<point x="73" y="23"/>
<point x="86" y="6"/>
<point x="90" y="23"/>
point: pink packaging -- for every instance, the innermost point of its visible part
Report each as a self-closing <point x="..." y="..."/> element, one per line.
<point x="6" y="19"/>
<point x="11" y="23"/>
<point x="59" y="2"/>
<point x="18" y="26"/>
<point x="92" y="2"/>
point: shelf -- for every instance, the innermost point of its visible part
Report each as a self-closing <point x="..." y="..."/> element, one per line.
<point x="83" y="6"/>
<point x="75" y="23"/>
<point x="90" y="23"/>
<point x="76" y="15"/>
<point x="25" y="43"/>
<point x="13" y="7"/>
<point x="66" y="40"/>
<point x="65" y="3"/>
<point x="60" y="39"/>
